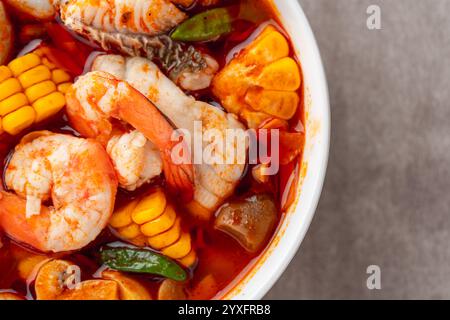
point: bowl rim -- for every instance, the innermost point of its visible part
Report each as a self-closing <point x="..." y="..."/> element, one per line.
<point x="259" y="290"/>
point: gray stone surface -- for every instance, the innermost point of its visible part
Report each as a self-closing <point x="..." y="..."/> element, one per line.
<point x="386" y="199"/>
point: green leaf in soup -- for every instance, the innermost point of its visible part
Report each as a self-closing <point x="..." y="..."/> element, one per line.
<point x="141" y="261"/>
<point x="204" y="26"/>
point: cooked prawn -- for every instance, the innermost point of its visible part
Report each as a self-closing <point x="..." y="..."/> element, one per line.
<point x="149" y="17"/>
<point x="139" y="28"/>
<point x="75" y="174"/>
<point x="135" y="159"/>
<point x="131" y="27"/>
<point x="97" y="99"/>
<point x="213" y="182"/>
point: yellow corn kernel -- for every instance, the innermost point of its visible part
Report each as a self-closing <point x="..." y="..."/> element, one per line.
<point x="160" y="224"/>
<point x="49" y="105"/>
<point x="35" y="75"/>
<point x="64" y="87"/>
<point x="150" y="207"/>
<point x="24" y="63"/>
<point x="9" y="87"/>
<point x="130" y="232"/>
<point x="122" y="217"/>
<point x="12" y="103"/>
<point x="48" y="63"/>
<point x="5" y="73"/>
<point x="254" y="119"/>
<point x="281" y="104"/>
<point x="60" y="76"/>
<point x="283" y="75"/>
<point x="268" y="47"/>
<point x="179" y="249"/>
<point x="189" y="260"/>
<point x="18" y="120"/>
<point x="40" y="90"/>
<point x="167" y="238"/>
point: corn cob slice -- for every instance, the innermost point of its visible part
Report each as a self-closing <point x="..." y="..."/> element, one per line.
<point x="152" y="221"/>
<point x="16" y="121"/>
<point x="160" y="224"/>
<point x="261" y="82"/>
<point x="5" y="73"/>
<point x="32" y="89"/>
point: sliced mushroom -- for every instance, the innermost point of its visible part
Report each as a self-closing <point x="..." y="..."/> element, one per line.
<point x="48" y="281"/>
<point x="171" y="290"/>
<point x="249" y="221"/>
<point x="129" y="289"/>
<point x="93" y="290"/>
<point x="54" y="282"/>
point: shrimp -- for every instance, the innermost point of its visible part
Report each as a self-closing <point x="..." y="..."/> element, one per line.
<point x="75" y="174"/>
<point x="149" y="17"/>
<point x="134" y="28"/>
<point x="6" y="35"/>
<point x="213" y="182"/>
<point x="139" y="28"/>
<point x="135" y="159"/>
<point x="97" y="99"/>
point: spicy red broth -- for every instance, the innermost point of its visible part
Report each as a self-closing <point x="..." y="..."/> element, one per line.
<point x="220" y="258"/>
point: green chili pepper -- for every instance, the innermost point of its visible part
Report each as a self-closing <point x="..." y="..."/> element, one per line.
<point x="204" y="26"/>
<point x="141" y="261"/>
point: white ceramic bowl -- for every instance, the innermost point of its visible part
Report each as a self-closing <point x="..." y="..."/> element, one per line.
<point x="261" y="276"/>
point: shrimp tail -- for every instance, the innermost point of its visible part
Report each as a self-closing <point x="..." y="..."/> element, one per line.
<point x="79" y="178"/>
<point x="180" y="178"/>
<point x="15" y="224"/>
<point x="101" y="131"/>
<point x="143" y="115"/>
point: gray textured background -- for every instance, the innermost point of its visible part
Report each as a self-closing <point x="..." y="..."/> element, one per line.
<point x="386" y="199"/>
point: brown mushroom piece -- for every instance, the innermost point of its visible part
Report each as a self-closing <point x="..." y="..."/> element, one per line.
<point x="249" y="221"/>
<point x="51" y="284"/>
<point x="129" y="289"/>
